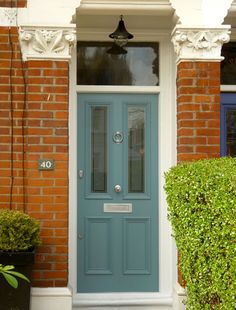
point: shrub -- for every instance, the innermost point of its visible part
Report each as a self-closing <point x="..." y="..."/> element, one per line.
<point x="18" y="231"/>
<point x="202" y="210"/>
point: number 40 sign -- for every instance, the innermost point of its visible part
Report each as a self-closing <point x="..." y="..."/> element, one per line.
<point x="46" y="164"/>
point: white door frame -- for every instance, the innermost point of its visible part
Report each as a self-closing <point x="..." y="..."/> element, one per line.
<point x="167" y="158"/>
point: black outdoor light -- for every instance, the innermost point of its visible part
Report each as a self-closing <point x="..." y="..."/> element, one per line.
<point x="121" y="35"/>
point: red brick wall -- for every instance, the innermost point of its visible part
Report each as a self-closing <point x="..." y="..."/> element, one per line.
<point x="13" y="3"/>
<point x="11" y="104"/>
<point x="47" y="137"/>
<point x="44" y="85"/>
<point x="198" y="110"/>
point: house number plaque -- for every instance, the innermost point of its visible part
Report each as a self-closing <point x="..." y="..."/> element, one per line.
<point x="46" y="164"/>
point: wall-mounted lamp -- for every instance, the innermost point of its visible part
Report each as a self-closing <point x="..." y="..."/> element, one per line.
<point x="121" y="35"/>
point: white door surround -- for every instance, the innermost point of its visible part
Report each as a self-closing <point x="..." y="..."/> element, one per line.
<point x="162" y="300"/>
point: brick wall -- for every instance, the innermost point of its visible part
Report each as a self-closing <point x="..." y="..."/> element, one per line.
<point x="198" y="110"/>
<point x="11" y="112"/>
<point x="35" y="94"/>
<point x="13" y="3"/>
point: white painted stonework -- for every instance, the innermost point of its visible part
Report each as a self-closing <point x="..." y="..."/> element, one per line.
<point x="179" y="298"/>
<point x="59" y="12"/>
<point x="57" y="298"/>
<point x="199" y="43"/>
<point x="47" y="42"/>
<point x="8" y="16"/>
<point x="50" y="12"/>
<point x="201" y="12"/>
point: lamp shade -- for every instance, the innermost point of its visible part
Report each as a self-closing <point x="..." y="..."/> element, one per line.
<point x="121" y="35"/>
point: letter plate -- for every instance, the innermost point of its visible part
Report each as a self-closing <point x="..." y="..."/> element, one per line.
<point x="117" y="207"/>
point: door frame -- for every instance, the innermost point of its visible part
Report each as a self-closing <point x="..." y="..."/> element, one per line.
<point x="166" y="159"/>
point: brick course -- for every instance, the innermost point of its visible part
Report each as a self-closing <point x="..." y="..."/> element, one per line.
<point x="198" y="110"/>
<point x="35" y="94"/>
<point x="13" y="3"/>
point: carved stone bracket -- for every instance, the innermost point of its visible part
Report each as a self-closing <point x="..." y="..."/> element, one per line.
<point x="203" y="44"/>
<point x="46" y="42"/>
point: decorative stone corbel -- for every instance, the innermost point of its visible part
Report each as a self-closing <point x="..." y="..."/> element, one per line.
<point x="199" y="43"/>
<point x="47" y="42"/>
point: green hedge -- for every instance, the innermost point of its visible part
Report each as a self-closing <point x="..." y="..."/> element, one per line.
<point x="201" y="196"/>
<point x="18" y="231"/>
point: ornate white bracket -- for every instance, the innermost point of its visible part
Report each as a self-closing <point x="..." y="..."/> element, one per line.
<point x="199" y="43"/>
<point x="47" y="42"/>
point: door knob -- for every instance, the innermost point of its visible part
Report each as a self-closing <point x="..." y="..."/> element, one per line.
<point x="117" y="188"/>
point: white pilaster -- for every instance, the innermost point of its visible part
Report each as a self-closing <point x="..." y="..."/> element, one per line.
<point x="208" y="13"/>
<point x="47" y="42"/>
<point x="51" y="12"/>
<point x="199" y="43"/>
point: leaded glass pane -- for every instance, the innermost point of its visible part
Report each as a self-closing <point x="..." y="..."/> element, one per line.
<point x="136" y="153"/>
<point x="99" y="149"/>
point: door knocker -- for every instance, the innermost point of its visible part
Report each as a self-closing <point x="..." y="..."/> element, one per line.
<point x="118" y="137"/>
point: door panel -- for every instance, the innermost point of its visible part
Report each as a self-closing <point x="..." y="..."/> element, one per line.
<point x="117" y="193"/>
<point x="98" y="230"/>
<point x="136" y="246"/>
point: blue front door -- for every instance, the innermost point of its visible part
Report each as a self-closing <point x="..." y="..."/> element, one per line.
<point x="117" y="193"/>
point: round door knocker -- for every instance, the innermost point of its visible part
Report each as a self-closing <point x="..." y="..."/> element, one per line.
<point x="117" y="188"/>
<point x="118" y="137"/>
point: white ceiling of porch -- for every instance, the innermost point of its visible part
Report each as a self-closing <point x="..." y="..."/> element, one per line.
<point x="138" y="15"/>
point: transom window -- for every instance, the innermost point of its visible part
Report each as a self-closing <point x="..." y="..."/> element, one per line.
<point x="99" y="64"/>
